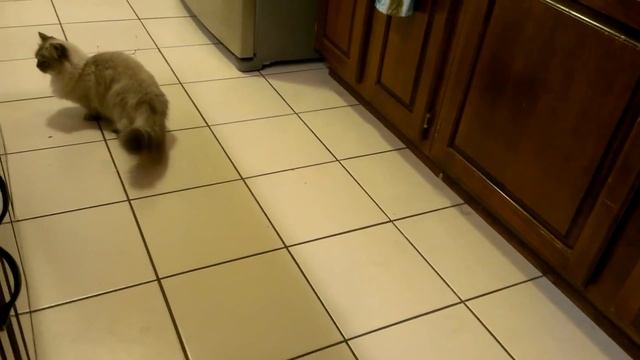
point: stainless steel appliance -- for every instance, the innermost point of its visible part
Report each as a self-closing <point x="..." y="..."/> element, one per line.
<point x="259" y="32"/>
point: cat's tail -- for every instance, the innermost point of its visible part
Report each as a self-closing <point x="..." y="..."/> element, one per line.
<point x="136" y="140"/>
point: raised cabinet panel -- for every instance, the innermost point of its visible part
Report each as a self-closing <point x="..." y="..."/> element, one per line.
<point x="402" y="49"/>
<point x="404" y="60"/>
<point x="343" y="35"/>
<point x="528" y="97"/>
<point x="338" y="29"/>
<point x="539" y="103"/>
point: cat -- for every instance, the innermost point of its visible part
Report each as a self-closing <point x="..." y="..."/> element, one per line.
<point x="109" y="85"/>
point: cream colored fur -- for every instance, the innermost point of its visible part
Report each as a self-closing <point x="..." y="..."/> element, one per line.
<point x="110" y="85"/>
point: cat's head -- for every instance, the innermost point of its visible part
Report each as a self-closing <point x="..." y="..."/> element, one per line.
<point x="52" y="53"/>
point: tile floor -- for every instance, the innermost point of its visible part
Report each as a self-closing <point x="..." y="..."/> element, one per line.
<point x="286" y="223"/>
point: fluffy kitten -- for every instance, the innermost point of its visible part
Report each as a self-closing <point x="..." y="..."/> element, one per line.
<point x="109" y="85"/>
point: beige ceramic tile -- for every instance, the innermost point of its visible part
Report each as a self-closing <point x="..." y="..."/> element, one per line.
<point x="338" y="352"/>
<point x="93" y="10"/>
<point x="401" y="184"/>
<point x="72" y="255"/>
<point x="41" y="123"/>
<point x="314" y="202"/>
<point x="225" y="101"/>
<point x="194" y="158"/>
<point x="268" y="145"/>
<point x="293" y="66"/>
<point x="452" y="333"/>
<point x="25" y="322"/>
<point x="536" y="321"/>
<point x="127" y="324"/>
<point x="22" y="80"/>
<point x="351" y="131"/>
<point x="467" y="252"/>
<point x="257" y="308"/>
<point x="109" y="36"/>
<point x="178" y="31"/>
<point x="22" y="42"/>
<point x="182" y="113"/>
<point x="32" y="12"/>
<point x="153" y="61"/>
<point x="60" y="179"/>
<point x="202" y="62"/>
<point x="159" y="8"/>
<point x="310" y="90"/>
<point x="204" y="226"/>
<point x="371" y="278"/>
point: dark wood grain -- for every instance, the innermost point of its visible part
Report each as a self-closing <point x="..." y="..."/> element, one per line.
<point x="342" y="35"/>
<point x="615" y="285"/>
<point x="536" y="113"/>
<point x="527" y="104"/>
<point x="404" y="62"/>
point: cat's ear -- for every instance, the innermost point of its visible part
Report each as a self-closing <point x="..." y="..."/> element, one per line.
<point x="44" y="37"/>
<point x="61" y="51"/>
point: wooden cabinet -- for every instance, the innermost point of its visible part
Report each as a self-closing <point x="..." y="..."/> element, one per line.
<point x="533" y="109"/>
<point x="404" y="60"/>
<point x="615" y="284"/>
<point x="534" y="122"/>
<point x="341" y="36"/>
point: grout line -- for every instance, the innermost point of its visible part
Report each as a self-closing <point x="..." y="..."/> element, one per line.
<point x="93" y="21"/>
<point x="52" y="147"/>
<point x="475" y="297"/>
<point x="371" y="154"/>
<point x="55" y="10"/>
<point x="87" y="297"/>
<point x="18" y="59"/>
<point x="68" y="211"/>
<point x="318" y="350"/>
<point x="320" y="67"/>
<point x="289" y="250"/>
<point x="289" y="169"/>
<point x="249" y="120"/>
<point x="247" y="75"/>
<point x="174" y="321"/>
<point x="28" y="25"/>
<point x="189" y="45"/>
<point x="134" y="199"/>
<point x="427" y="212"/>
<point x="147" y="249"/>
<point x="26" y="99"/>
<point x="256" y="199"/>
<point x="397" y="228"/>
<point x="93" y="141"/>
<point x="224" y="262"/>
<point x="324" y="109"/>
<point x="426" y="313"/>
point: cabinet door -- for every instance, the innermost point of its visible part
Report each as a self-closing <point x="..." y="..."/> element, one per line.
<point x="403" y="64"/>
<point x="342" y="35"/>
<point x="615" y="284"/>
<point x="539" y="106"/>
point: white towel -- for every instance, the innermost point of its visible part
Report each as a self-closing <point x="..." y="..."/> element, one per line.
<point x="395" y="7"/>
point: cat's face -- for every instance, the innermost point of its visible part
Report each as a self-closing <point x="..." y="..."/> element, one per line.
<point x="51" y="54"/>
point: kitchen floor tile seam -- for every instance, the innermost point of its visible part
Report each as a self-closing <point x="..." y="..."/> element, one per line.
<point x="397" y="228"/>
<point x="55" y="10"/>
<point x="261" y="207"/>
